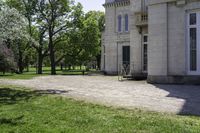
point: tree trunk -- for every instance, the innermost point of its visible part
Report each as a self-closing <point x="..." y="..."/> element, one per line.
<point x="27" y="68"/>
<point x="61" y="66"/>
<point x="69" y="67"/>
<point x="53" y="66"/>
<point x="40" y="62"/>
<point x="26" y="63"/>
<point x="52" y="55"/>
<point x="20" y="62"/>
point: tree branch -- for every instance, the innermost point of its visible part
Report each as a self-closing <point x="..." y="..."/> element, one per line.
<point x="59" y="59"/>
<point x="42" y="13"/>
<point x="60" y="29"/>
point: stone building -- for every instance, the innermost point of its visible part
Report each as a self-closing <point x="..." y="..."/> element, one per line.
<point x="157" y="39"/>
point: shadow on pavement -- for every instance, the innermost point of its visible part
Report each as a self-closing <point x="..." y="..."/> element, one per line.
<point x="191" y="95"/>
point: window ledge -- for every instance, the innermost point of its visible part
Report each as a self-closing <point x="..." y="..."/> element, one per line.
<point x="123" y="33"/>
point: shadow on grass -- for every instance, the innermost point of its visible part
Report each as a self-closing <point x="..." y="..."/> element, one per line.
<point x="11" y="121"/>
<point x="5" y="75"/>
<point x="12" y="96"/>
<point x="79" y="74"/>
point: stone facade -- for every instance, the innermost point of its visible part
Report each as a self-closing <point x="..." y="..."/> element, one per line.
<point x="169" y="40"/>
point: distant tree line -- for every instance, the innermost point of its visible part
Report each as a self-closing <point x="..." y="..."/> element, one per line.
<point x="48" y="32"/>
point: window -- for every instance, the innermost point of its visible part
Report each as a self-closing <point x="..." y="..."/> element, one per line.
<point x="193" y="41"/>
<point x="193" y="19"/>
<point x="144" y="6"/>
<point x="145" y="52"/>
<point x="126" y="23"/>
<point x="145" y="39"/>
<point x="145" y="58"/>
<point x="119" y="23"/>
<point x="193" y="49"/>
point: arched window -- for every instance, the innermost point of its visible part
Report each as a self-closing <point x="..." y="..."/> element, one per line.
<point x="126" y="23"/>
<point x="119" y="23"/>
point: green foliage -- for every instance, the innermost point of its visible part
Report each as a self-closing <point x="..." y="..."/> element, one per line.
<point x="55" y="28"/>
<point x="14" y="25"/>
<point x="56" y="14"/>
<point x="90" y="34"/>
<point x="84" y="39"/>
<point x="99" y="16"/>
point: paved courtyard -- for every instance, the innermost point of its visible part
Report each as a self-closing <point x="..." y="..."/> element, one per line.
<point x="179" y="99"/>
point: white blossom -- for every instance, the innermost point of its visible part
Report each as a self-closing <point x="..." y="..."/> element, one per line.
<point x="12" y="24"/>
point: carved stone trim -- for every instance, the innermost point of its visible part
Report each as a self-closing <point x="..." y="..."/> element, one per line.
<point x="117" y="4"/>
<point x="181" y="2"/>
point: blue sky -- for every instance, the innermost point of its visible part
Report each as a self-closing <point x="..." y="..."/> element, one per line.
<point x="92" y="4"/>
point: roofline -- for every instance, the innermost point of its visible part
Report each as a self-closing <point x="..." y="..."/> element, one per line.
<point x="117" y="3"/>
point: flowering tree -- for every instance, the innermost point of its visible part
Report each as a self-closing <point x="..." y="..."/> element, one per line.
<point x="12" y="28"/>
<point x="12" y="24"/>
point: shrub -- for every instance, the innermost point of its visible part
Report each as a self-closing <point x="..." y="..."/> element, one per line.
<point x="7" y="62"/>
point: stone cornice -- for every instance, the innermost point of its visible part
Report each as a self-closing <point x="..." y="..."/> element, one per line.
<point x="117" y="4"/>
<point x="178" y="2"/>
<point x="153" y="2"/>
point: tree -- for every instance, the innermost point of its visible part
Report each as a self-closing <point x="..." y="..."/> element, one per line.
<point x="26" y="8"/>
<point x="100" y="17"/>
<point x="61" y="30"/>
<point x="74" y="39"/>
<point x="90" y="38"/>
<point x="12" y="26"/>
<point x="56" y="15"/>
<point x="38" y="33"/>
<point x="84" y="37"/>
<point x="36" y="29"/>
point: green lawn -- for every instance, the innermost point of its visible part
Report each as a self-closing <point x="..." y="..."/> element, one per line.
<point x="25" y="111"/>
<point x="46" y="71"/>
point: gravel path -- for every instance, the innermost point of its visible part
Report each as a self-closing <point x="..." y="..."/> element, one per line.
<point x="179" y="99"/>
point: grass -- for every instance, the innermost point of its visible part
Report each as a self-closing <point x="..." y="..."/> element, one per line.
<point x="46" y="71"/>
<point x="25" y="75"/>
<point x="24" y="111"/>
